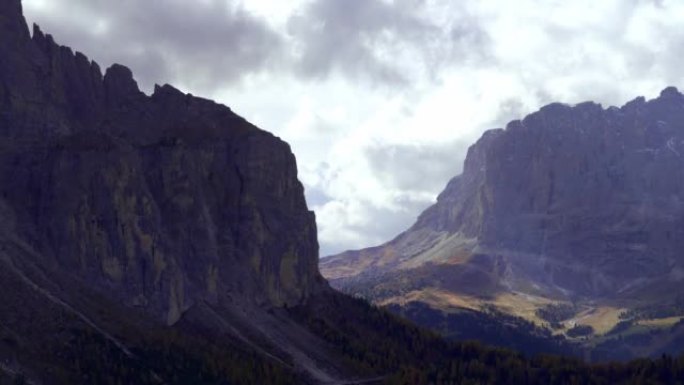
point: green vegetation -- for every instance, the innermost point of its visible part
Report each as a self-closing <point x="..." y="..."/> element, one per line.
<point x="554" y="314"/>
<point x="621" y="327"/>
<point x="655" y="311"/>
<point x="478" y="366"/>
<point x="381" y="344"/>
<point x="490" y="326"/>
<point x="371" y="343"/>
<point x="166" y="358"/>
<point x="580" y="331"/>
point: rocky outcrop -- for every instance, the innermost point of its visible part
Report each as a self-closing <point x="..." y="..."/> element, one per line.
<point x="569" y="202"/>
<point x="160" y="201"/>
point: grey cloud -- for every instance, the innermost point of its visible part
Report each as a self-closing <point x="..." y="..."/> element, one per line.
<point x="510" y="109"/>
<point x="469" y="41"/>
<point x="378" y="40"/>
<point x="214" y="43"/>
<point x="385" y="225"/>
<point x="316" y="197"/>
<point x="206" y="45"/>
<point x="668" y="61"/>
<point x="414" y="170"/>
<point x="656" y="58"/>
<point x="418" y="168"/>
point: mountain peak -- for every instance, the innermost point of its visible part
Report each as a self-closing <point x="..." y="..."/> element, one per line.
<point x="117" y="217"/>
<point x="42" y="39"/>
<point x="119" y="82"/>
<point x="13" y="28"/>
<point x="542" y="196"/>
<point x="670" y="92"/>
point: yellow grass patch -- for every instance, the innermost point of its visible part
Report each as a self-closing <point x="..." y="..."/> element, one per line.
<point x="660" y="322"/>
<point x="522" y="305"/>
<point x="602" y="318"/>
<point x="438" y="299"/>
<point x="459" y="257"/>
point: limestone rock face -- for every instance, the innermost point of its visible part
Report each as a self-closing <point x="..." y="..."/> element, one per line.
<point x="570" y="201"/>
<point x="161" y="201"/>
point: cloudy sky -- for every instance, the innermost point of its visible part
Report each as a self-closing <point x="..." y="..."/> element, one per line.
<point x="380" y="98"/>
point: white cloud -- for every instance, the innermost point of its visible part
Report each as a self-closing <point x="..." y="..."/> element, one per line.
<point x="380" y="98"/>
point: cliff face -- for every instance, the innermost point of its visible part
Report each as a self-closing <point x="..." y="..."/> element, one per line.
<point x="572" y="201"/>
<point x="161" y="201"/>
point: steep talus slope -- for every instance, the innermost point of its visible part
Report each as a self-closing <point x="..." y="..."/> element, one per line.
<point x="571" y="204"/>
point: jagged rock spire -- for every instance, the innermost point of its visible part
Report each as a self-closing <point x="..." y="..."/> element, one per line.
<point x="13" y="29"/>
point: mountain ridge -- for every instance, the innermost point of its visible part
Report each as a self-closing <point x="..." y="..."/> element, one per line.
<point x="127" y="220"/>
<point x="572" y="204"/>
<point x="163" y="239"/>
<point x="93" y="119"/>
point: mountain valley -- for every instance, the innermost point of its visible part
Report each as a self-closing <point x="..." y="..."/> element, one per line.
<point x="164" y="239"/>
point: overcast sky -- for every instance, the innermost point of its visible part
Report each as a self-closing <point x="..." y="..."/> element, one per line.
<point x="378" y="98"/>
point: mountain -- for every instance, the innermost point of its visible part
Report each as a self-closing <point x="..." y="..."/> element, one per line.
<point x="579" y="208"/>
<point x="123" y="214"/>
<point x="166" y="200"/>
<point x="163" y="239"/>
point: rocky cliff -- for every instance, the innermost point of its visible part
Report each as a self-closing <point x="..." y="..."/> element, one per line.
<point x="577" y="204"/>
<point x="163" y="201"/>
<point x="164" y="240"/>
<point x="153" y="239"/>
